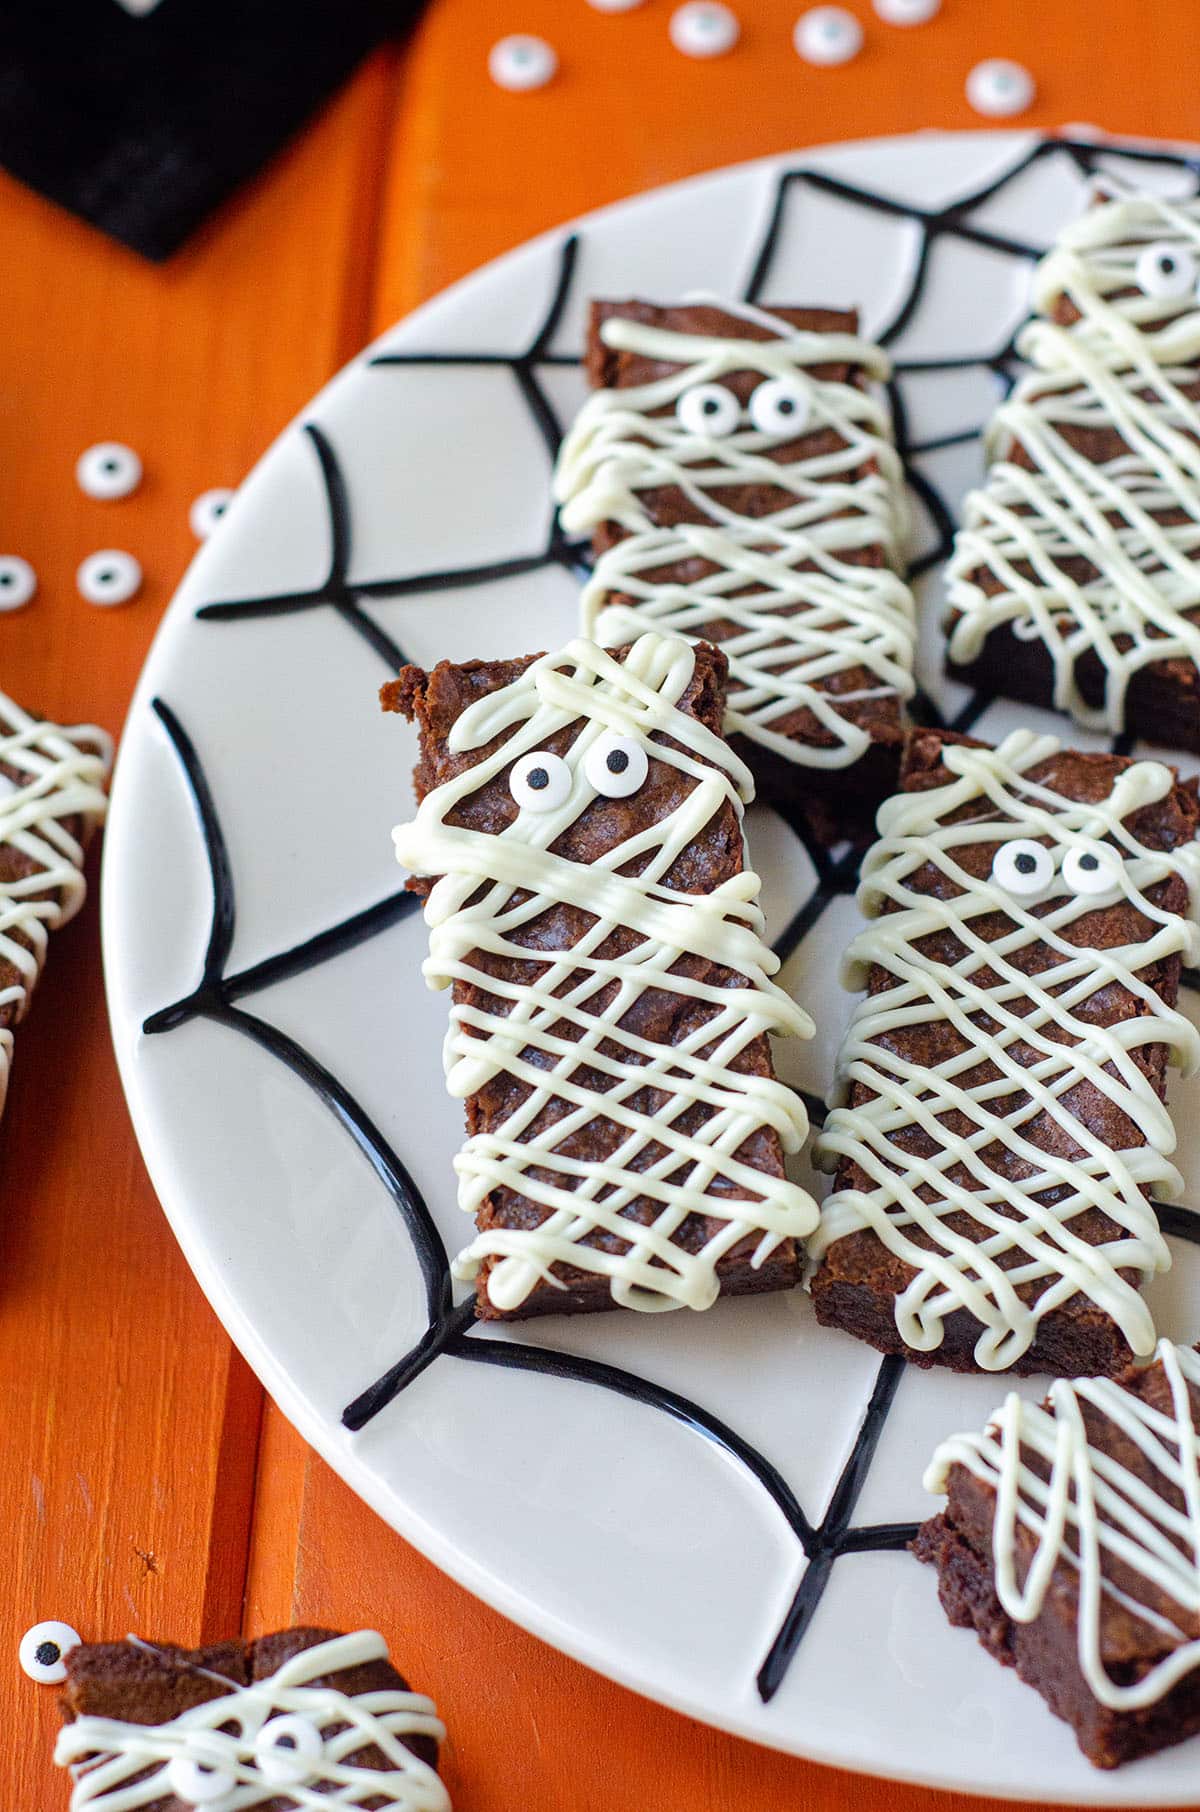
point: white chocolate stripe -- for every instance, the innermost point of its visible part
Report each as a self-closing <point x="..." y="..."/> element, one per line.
<point x="1092" y="1509"/>
<point x="494" y="887"/>
<point x="1040" y="1055"/>
<point x="1121" y="366"/>
<point x="794" y="630"/>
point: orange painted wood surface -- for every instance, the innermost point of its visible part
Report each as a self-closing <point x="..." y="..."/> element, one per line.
<point x="145" y="1482"/>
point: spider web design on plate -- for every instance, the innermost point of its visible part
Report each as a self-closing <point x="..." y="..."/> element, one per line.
<point x="451" y="1330"/>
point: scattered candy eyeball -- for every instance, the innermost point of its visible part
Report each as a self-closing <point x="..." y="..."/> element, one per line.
<point x="199" y="1783"/>
<point x="540" y="781"/>
<point x="1166" y="271"/>
<point x="207" y="511"/>
<point x="521" y="62"/>
<point x="286" y="1748"/>
<point x="997" y="88"/>
<point x="907" y="12"/>
<point x="108" y="470"/>
<point x="1092" y="868"/>
<point x="616" y="766"/>
<point x="44" y="1650"/>
<point x="704" y="29"/>
<point x="18" y="582"/>
<point x="827" y="35"/>
<point x="109" y="577"/>
<point x="1023" y="868"/>
<point x="780" y="406"/>
<point x="709" y="410"/>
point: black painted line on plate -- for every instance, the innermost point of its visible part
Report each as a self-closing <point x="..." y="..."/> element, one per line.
<point x="221" y="929"/>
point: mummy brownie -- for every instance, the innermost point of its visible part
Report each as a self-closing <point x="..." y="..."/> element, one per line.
<point x="1071" y="1543"/>
<point x="739" y="482"/>
<point x="998" y="1120"/>
<point x="305" y="1717"/>
<point x="51" y="799"/>
<point x="1075" y="578"/>
<point x="579" y="843"/>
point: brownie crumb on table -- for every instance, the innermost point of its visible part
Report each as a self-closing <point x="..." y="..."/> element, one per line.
<point x="999" y="1121"/>
<point x="579" y="845"/>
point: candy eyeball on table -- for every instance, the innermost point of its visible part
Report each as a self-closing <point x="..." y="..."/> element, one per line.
<point x="998" y="88"/>
<point x="907" y="12"/>
<point x="521" y="62"/>
<point x="108" y="470"/>
<point x="109" y="577"/>
<point x="827" y="36"/>
<point x="207" y="511"/>
<point x="704" y="29"/>
<point x="44" y="1650"/>
<point x="18" y="582"/>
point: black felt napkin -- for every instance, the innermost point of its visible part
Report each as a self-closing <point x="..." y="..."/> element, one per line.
<point x="142" y="115"/>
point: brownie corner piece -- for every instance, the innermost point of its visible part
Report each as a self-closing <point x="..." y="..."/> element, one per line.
<point x="1106" y="1629"/>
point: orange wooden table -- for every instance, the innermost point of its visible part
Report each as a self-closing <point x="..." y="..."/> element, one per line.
<point x="145" y="1483"/>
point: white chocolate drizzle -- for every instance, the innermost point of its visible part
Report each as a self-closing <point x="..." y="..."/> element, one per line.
<point x="1089" y="1512"/>
<point x="1122" y="365"/>
<point x="109" y="1758"/>
<point x="995" y="1009"/>
<point x="795" y="630"/>
<point x="542" y="1033"/>
<point x="60" y="775"/>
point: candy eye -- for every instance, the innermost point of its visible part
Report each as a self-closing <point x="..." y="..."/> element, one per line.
<point x="540" y="781"/>
<point x="708" y="409"/>
<point x="199" y="1783"/>
<point x="616" y="766"/>
<point x="108" y="470"/>
<point x="1023" y="868"/>
<point x="44" y="1650"/>
<point x="1092" y="868"/>
<point x="780" y="406"/>
<point x="285" y="1749"/>
<point x="110" y="577"/>
<point x="1166" y="270"/>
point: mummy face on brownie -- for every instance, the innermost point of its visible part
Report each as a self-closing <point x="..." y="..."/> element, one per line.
<point x="1133" y="256"/>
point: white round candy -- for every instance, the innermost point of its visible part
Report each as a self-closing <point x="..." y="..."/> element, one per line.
<point x="286" y="1748"/>
<point x="540" y="781"/>
<point x="1023" y="868"/>
<point x="1166" y="271"/>
<point x="907" y="12"/>
<point x="522" y="62"/>
<point x="108" y="470"/>
<point x="207" y="511"/>
<point x="709" y="410"/>
<point x="44" y="1650"/>
<point x="1092" y="868"/>
<point x="199" y="1783"/>
<point x="616" y="766"/>
<point x="704" y="29"/>
<point x="780" y="407"/>
<point x="827" y="35"/>
<point x="999" y="88"/>
<point x="109" y="577"/>
<point x="18" y="582"/>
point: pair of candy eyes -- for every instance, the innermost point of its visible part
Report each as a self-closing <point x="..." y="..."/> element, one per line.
<point x="1168" y="272"/>
<point x="1026" y="869"/>
<point x="777" y="406"/>
<point x="285" y="1750"/>
<point x="615" y="766"/>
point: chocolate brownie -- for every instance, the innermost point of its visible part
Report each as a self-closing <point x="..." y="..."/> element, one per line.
<point x="1075" y="579"/>
<point x="999" y="1121"/>
<point x="568" y="1153"/>
<point x="692" y="405"/>
<point x="115" y="1690"/>
<point x="1122" y="1667"/>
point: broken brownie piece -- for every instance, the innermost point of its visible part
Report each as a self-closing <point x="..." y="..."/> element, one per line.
<point x="1070" y="1542"/>
<point x="304" y="1709"/>
<point x="51" y="799"/>
<point x="999" y="1121"/>
<point x="579" y="843"/>
<point x="1075" y="577"/>
<point x="740" y="483"/>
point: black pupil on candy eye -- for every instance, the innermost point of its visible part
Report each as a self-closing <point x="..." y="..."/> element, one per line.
<point x="1166" y="264"/>
<point x="110" y="465"/>
<point x="785" y="405"/>
<point x="538" y="778"/>
<point x="6" y="578"/>
<point x="1088" y="862"/>
<point x="47" y="1653"/>
<point x="711" y="405"/>
<point x="286" y="1741"/>
<point x="616" y="761"/>
<point x="1025" y="863"/>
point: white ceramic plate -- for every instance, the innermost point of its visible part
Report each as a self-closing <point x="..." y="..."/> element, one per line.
<point x="282" y="1056"/>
